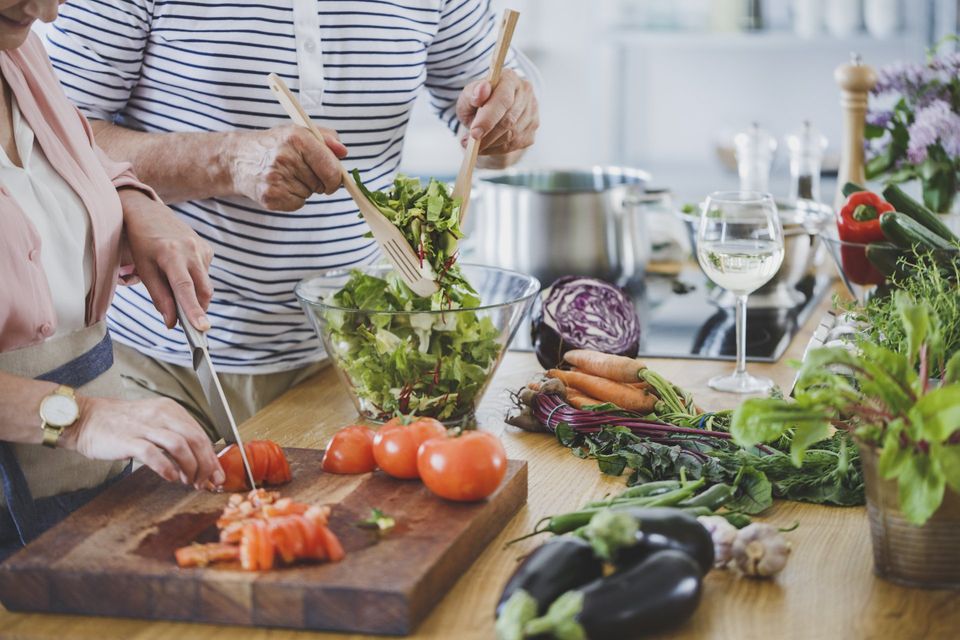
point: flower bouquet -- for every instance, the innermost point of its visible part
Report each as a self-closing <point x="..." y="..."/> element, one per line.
<point x="918" y="137"/>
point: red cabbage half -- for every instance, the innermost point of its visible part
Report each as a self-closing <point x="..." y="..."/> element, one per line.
<point x="584" y="313"/>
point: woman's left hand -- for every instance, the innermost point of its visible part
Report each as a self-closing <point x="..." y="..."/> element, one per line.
<point x="171" y="260"/>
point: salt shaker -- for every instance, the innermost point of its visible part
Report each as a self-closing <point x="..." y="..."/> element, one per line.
<point x="755" y="148"/>
<point x="806" y="149"/>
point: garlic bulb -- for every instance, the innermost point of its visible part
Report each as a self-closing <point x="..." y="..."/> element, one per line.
<point x="760" y="550"/>
<point x="723" y="534"/>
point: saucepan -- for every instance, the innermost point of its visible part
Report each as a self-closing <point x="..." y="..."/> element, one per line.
<point x="550" y="223"/>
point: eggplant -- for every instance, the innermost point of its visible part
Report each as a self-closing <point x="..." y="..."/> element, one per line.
<point x="665" y="528"/>
<point x="559" y="565"/>
<point x="656" y="594"/>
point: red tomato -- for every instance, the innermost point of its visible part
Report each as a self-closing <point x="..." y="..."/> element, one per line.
<point x="395" y="445"/>
<point x="350" y="451"/>
<point x="267" y="462"/>
<point x="464" y="468"/>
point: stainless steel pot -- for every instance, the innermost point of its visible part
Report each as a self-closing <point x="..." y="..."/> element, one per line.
<point x="555" y="222"/>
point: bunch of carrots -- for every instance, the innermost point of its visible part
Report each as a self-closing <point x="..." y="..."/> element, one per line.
<point x="597" y="378"/>
<point x="258" y="528"/>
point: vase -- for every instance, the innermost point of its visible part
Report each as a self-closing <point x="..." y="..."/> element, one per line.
<point x="926" y="556"/>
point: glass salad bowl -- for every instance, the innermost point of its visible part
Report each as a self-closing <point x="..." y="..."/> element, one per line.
<point x="427" y="358"/>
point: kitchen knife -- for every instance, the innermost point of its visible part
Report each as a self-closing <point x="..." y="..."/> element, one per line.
<point x="212" y="390"/>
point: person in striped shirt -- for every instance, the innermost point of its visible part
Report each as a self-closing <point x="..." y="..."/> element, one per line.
<point x="178" y="88"/>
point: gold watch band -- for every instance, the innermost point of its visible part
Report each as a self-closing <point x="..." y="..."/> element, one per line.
<point x="51" y="432"/>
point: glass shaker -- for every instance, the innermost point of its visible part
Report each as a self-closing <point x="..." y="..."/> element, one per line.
<point x="755" y="148"/>
<point x="806" y="149"/>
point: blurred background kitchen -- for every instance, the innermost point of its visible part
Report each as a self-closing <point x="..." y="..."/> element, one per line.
<point x="685" y="91"/>
<point x="664" y="85"/>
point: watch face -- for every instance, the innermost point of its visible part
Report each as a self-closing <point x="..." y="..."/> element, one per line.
<point x="59" y="410"/>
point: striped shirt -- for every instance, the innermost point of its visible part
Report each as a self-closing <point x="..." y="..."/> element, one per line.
<point x="357" y="65"/>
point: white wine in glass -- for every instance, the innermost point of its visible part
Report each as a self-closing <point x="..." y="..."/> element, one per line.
<point x="740" y="248"/>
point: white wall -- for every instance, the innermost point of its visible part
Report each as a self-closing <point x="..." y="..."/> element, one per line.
<point x="659" y="94"/>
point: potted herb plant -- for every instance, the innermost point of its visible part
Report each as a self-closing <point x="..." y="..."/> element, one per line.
<point x="918" y="137"/>
<point x="903" y="408"/>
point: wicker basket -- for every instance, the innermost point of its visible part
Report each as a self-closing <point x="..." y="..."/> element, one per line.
<point x="927" y="556"/>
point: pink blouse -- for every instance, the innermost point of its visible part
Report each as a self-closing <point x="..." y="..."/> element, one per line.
<point x="26" y="308"/>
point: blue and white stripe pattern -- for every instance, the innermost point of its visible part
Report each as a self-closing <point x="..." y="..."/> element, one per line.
<point x="358" y="66"/>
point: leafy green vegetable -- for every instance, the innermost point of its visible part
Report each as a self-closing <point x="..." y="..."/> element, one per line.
<point x="432" y="363"/>
<point x="886" y="398"/>
<point x="925" y="278"/>
<point x="429" y="219"/>
<point x="378" y="520"/>
<point x="830" y="473"/>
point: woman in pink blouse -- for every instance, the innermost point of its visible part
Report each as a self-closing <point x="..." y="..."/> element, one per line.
<point x="73" y="223"/>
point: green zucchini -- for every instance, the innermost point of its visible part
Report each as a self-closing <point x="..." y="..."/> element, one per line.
<point x="851" y="188"/>
<point x="905" y="232"/>
<point x="884" y="256"/>
<point x="907" y="205"/>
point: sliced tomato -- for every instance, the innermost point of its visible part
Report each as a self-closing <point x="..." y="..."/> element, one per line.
<point x="267" y="463"/>
<point x="331" y="544"/>
<point x="201" y="555"/>
<point x="311" y="542"/>
<point x="294" y="535"/>
<point x="249" y="547"/>
<point x="279" y="471"/>
<point x="281" y="540"/>
<point x="265" y="547"/>
<point x="232" y="463"/>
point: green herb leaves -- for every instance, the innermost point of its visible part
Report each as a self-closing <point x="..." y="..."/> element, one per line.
<point x="886" y="398"/>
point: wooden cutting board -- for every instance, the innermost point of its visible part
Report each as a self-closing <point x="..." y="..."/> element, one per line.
<point x="114" y="557"/>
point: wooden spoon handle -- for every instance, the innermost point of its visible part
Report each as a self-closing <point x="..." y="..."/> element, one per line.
<point x="461" y="188"/>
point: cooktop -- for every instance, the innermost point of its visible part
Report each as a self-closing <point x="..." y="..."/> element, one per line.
<point x="682" y="316"/>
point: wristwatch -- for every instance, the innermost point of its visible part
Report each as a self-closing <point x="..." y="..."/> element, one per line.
<point x="58" y="411"/>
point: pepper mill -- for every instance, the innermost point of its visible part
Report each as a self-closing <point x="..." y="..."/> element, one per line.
<point x="855" y="80"/>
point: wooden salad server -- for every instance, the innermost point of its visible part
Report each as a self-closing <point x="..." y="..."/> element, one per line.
<point x="416" y="273"/>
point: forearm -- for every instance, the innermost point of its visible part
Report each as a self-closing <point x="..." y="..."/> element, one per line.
<point x="20" y="406"/>
<point x="179" y="166"/>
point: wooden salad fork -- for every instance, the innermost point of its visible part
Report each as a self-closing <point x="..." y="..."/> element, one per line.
<point x="461" y="188"/>
<point x="416" y="273"/>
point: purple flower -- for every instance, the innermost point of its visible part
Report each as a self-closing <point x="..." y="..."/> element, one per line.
<point x="948" y="63"/>
<point x="903" y="77"/>
<point x="879" y="118"/>
<point x="933" y="123"/>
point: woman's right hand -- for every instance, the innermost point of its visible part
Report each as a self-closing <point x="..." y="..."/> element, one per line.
<point x="159" y="433"/>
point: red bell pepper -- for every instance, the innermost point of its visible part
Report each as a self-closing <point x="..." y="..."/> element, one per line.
<point x="859" y="222"/>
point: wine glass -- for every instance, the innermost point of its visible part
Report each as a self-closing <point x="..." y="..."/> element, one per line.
<point x="740" y="248"/>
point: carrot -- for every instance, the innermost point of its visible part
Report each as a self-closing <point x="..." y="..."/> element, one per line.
<point x="606" y="390"/>
<point x="638" y="385"/>
<point x="604" y="365"/>
<point x="578" y="399"/>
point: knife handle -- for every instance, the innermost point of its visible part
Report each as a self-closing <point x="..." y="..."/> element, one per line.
<point x="196" y="339"/>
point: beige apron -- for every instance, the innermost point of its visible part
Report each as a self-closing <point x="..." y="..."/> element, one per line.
<point x="51" y="472"/>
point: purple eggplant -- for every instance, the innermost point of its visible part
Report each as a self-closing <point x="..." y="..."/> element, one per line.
<point x="658" y="593"/>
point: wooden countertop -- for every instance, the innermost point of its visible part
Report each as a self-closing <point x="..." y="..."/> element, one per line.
<point x="828" y="589"/>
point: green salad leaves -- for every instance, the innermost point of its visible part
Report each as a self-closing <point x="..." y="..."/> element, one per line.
<point x="406" y="354"/>
<point x="429" y="219"/>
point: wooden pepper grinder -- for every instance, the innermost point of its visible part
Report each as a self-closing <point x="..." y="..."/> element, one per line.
<point x="855" y="80"/>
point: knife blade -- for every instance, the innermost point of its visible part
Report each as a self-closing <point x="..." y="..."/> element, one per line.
<point x="212" y="390"/>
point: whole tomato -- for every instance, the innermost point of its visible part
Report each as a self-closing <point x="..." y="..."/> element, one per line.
<point x="350" y="451"/>
<point x="395" y="445"/>
<point x="464" y="468"/>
